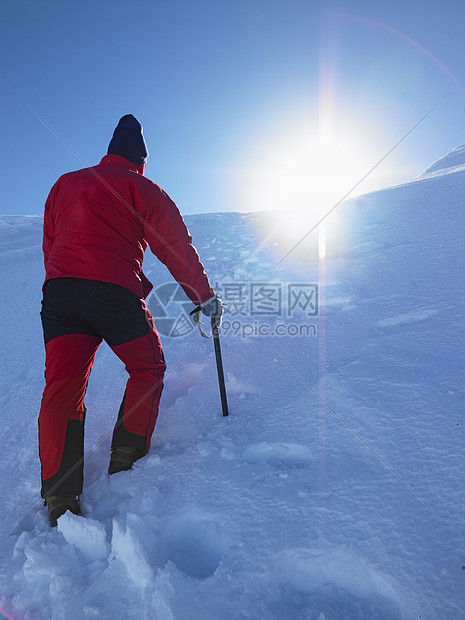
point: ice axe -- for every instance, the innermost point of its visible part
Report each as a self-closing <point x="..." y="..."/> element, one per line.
<point x="219" y="360"/>
<point x="219" y="367"/>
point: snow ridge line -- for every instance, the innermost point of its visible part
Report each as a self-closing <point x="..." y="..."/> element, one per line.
<point x="365" y="443"/>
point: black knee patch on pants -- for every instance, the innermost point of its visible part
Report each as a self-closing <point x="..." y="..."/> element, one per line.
<point x="122" y="437"/>
<point x="69" y="478"/>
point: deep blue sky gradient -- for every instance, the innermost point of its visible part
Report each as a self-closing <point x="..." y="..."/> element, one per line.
<point x="218" y="85"/>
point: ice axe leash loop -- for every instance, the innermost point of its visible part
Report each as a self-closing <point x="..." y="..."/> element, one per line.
<point x="219" y="360"/>
<point x="195" y="314"/>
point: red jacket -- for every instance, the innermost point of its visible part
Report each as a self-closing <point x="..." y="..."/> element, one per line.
<point x="98" y="222"/>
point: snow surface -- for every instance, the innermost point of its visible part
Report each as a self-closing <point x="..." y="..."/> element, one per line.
<point x="290" y="508"/>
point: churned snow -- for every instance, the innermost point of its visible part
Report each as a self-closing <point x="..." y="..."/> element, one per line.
<point x="334" y="490"/>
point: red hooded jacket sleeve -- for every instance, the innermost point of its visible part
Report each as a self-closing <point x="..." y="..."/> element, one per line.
<point x="98" y="222"/>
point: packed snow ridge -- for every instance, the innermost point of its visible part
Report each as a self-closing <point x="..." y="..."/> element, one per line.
<point x="452" y="162"/>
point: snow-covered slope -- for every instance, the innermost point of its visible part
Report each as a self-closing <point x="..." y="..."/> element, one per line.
<point x="334" y="489"/>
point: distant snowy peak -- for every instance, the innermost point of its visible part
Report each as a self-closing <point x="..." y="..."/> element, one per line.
<point x="450" y="163"/>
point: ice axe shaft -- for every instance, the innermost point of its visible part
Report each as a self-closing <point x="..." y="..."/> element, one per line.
<point x="219" y="366"/>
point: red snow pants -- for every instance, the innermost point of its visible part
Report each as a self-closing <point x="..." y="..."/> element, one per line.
<point x="77" y="315"/>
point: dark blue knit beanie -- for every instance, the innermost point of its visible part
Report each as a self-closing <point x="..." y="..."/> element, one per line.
<point x="128" y="140"/>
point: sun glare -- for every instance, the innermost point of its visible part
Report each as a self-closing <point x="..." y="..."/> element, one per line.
<point x="304" y="177"/>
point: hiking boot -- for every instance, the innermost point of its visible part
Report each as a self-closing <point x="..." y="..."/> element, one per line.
<point x="122" y="459"/>
<point x="58" y="505"/>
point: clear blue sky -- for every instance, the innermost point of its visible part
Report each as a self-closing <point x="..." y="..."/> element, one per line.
<point x="233" y="95"/>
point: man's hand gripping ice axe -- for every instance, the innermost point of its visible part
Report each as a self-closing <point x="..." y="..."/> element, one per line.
<point x="213" y="308"/>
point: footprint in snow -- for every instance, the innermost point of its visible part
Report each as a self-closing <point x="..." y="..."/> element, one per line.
<point x="289" y="455"/>
<point x="333" y="582"/>
<point x="195" y="543"/>
<point x="177" y="384"/>
<point x="408" y="317"/>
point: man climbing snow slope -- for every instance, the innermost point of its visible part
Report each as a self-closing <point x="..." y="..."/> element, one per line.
<point x="98" y="223"/>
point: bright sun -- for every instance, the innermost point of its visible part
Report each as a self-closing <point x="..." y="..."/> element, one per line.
<point x="304" y="177"/>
